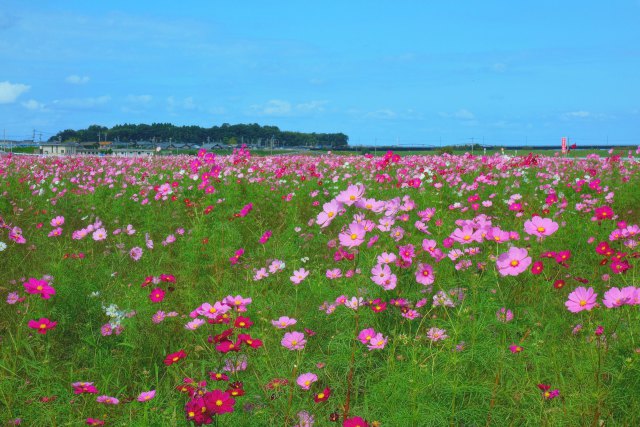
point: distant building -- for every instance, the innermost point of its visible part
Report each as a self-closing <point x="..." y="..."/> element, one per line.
<point x="59" y="148"/>
<point x="132" y="152"/>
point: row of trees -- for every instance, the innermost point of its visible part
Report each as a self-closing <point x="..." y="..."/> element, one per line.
<point x="228" y="134"/>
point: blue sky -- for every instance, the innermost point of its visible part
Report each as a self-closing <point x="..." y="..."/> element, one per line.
<point x="407" y="72"/>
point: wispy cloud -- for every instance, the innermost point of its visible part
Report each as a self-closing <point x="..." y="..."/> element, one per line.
<point x="281" y="108"/>
<point x="582" y="114"/>
<point x="139" y="99"/>
<point x="82" y="103"/>
<point x="34" y="105"/>
<point x="384" y="113"/>
<point x="462" y="114"/>
<point x="77" y="80"/>
<point x="9" y="92"/>
<point x="187" y="103"/>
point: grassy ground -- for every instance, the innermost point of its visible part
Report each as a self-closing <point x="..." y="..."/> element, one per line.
<point x="469" y="378"/>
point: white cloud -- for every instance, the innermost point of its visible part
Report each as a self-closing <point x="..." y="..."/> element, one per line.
<point x="582" y="114"/>
<point x="33" y="105"/>
<point x="579" y="114"/>
<point x="311" y="107"/>
<point x="385" y="113"/>
<point x="462" y="114"/>
<point x="9" y="92"/>
<point x="77" y="80"/>
<point x="273" y="107"/>
<point x="499" y="67"/>
<point x="139" y="99"/>
<point x="185" y="104"/>
<point x="82" y="103"/>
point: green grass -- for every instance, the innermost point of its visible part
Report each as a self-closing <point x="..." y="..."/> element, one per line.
<point x="411" y="382"/>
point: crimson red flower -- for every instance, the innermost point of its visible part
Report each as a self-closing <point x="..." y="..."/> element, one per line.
<point x="322" y="396"/>
<point x="603" y="248"/>
<point x="243" y="322"/>
<point x="218" y="402"/>
<point x="217" y="376"/>
<point x="253" y="342"/>
<point x="227" y="346"/>
<point x="558" y="284"/>
<point x="537" y="267"/>
<point x="174" y="357"/>
<point x="197" y="412"/>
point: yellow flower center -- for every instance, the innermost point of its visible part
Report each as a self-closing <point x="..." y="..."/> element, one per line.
<point x="541" y="229"/>
<point x="218" y="402"/>
<point x="320" y="395"/>
<point x="514" y="263"/>
<point x="330" y="214"/>
<point x="467" y="237"/>
<point x="354" y="236"/>
<point x="352" y="197"/>
<point x="39" y="288"/>
<point x="294" y="342"/>
<point x="192" y="414"/>
<point x="43" y="326"/>
<point x="582" y="303"/>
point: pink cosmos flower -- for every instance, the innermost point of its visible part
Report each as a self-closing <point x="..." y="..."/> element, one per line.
<point x="351" y="195"/>
<point x="329" y="212"/>
<point x="581" y="299"/>
<point x="135" y="253"/>
<point x="146" y="395"/>
<point x="540" y="227"/>
<point x="293" y="340"/>
<point x="377" y="342"/>
<point x="436" y="334"/>
<point x="366" y="335"/>
<point x="299" y="276"/>
<point x="514" y="262"/>
<point x="353" y="236"/>
<point x="42" y="287"/>
<point x="108" y="400"/>
<point x="424" y="274"/>
<point x="55" y="232"/>
<point x="407" y="252"/>
<point x="99" y="234"/>
<point x="305" y="380"/>
<point x="334" y="273"/>
<point x="615" y="297"/>
<point x="283" y="322"/>
<point x="57" y="221"/>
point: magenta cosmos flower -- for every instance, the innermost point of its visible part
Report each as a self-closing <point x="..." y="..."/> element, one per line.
<point x="581" y="299"/>
<point x="36" y="286"/>
<point x="513" y="262"/>
<point x="293" y="340"/>
<point x="42" y="325"/>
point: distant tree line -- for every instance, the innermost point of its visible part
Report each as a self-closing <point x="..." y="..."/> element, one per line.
<point x="251" y="134"/>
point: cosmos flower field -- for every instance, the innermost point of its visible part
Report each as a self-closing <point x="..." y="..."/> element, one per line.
<point x="323" y="290"/>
